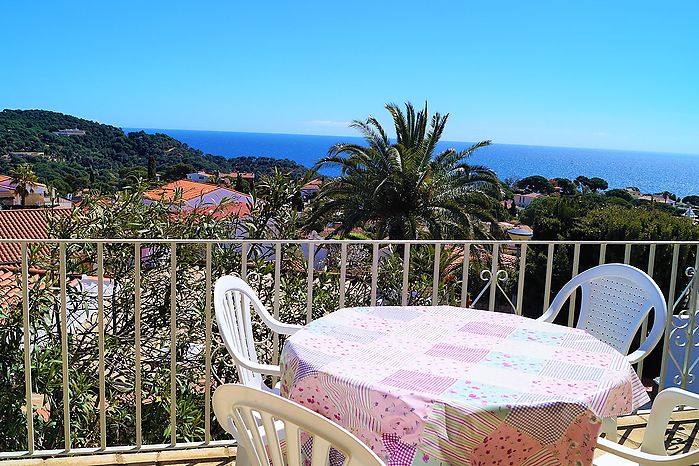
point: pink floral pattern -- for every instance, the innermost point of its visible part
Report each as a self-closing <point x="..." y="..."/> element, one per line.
<point x="440" y="386"/>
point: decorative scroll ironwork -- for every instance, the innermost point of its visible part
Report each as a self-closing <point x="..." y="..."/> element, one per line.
<point x="500" y="277"/>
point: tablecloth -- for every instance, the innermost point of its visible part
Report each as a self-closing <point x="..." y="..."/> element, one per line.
<point x="447" y="385"/>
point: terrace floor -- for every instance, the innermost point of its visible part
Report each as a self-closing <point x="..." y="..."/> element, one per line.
<point x="683" y="436"/>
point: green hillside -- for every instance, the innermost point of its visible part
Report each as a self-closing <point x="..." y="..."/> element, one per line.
<point x="105" y="155"/>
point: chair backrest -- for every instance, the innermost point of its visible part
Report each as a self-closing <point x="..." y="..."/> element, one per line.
<point x="250" y="415"/>
<point x="616" y="299"/>
<point x="233" y="299"/>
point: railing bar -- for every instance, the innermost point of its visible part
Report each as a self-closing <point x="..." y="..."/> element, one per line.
<point x="207" y="349"/>
<point x="644" y="325"/>
<point x="332" y="241"/>
<point x="244" y="261"/>
<point x="549" y="270"/>
<point x="27" y="349"/>
<point x="602" y="253"/>
<point x="464" y="274"/>
<point x="406" y="275"/>
<point x="276" y="303"/>
<point x="343" y="274"/>
<point x="137" y="341"/>
<point x="100" y="342"/>
<point x="64" y="344"/>
<point x="571" y="305"/>
<point x="435" y="274"/>
<point x="374" y="272"/>
<point x="173" y="343"/>
<point x="309" y="286"/>
<point x="670" y="313"/>
<point x="627" y="254"/>
<point x="493" y="276"/>
<point x="520" y="278"/>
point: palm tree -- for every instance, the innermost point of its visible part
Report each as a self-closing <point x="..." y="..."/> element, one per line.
<point x="403" y="190"/>
<point x="23" y="177"/>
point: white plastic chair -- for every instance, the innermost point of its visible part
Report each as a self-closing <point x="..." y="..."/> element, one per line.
<point x="255" y="412"/>
<point x="232" y="301"/>
<point x="652" y="450"/>
<point x="616" y="299"/>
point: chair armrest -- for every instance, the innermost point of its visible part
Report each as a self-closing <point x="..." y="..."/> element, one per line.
<point x="267" y="369"/>
<point x="284" y="329"/>
<point x="637" y="355"/>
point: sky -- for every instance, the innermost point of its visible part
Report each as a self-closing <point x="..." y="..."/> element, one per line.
<point x="616" y="75"/>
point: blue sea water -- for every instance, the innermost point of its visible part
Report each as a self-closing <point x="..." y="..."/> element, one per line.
<point x="649" y="171"/>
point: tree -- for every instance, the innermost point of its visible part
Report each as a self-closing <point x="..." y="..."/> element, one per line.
<point x="536" y="183"/>
<point x="151" y="168"/>
<point x="24" y="178"/>
<point x="403" y="190"/>
<point x="567" y="186"/>
<point x="693" y="199"/>
<point x="178" y="171"/>
<point x="598" y="184"/>
<point x="620" y="193"/>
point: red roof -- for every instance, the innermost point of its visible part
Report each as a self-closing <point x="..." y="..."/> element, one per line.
<point x="190" y="190"/>
<point x="239" y="210"/>
<point x="315" y="184"/>
<point x="23" y="224"/>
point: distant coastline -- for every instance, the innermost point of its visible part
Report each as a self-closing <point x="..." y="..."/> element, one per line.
<point x="649" y="171"/>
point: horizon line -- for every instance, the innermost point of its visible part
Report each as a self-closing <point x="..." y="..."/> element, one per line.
<point x="123" y="128"/>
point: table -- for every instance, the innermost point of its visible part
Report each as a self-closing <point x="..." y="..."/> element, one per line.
<point x="446" y="385"/>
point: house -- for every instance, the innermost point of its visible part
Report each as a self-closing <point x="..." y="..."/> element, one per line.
<point x="70" y="132"/>
<point x="39" y="194"/>
<point x="23" y="224"/>
<point x="199" y="177"/>
<point x="193" y="195"/>
<point x="311" y="188"/>
<point x="523" y="200"/>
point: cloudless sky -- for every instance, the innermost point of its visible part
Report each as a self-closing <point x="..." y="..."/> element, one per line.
<point x="617" y="74"/>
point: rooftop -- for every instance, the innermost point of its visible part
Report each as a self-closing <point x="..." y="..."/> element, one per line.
<point x="23" y="224"/>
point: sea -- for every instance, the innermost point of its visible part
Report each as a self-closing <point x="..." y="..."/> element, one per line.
<point x="651" y="172"/>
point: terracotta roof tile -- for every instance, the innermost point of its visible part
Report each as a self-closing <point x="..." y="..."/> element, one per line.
<point x="23" y="224"/>
<point x="190" y="190"/>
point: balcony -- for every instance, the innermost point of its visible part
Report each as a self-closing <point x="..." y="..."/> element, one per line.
<point x="113" y="345"/>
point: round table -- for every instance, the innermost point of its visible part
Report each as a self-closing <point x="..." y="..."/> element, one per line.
<point x="448" y="385"/>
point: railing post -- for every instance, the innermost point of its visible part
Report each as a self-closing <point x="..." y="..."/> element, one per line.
<point x="549" y="271"/>
<point x="137" y="341"/>
<point x="464" y="274"/>
<point x="27" y="350"/>
<point x="309" y="285"/>
<point x="493" y="277"/>
<point x="670" y="315"/>
<point x="64" y="344"/>
<point x="520" y="278"/>
<point x="435" y="274"/>
<point x="100" y="342"/>
<point x="207" y="348"/>
<point x="343" y="274"/>
<point x="374" y="272"/>
<point x="406" y="275"/>
<point x="173" y="343"/>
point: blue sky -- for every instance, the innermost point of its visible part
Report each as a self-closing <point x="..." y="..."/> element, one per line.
<point x="621" y="74"/>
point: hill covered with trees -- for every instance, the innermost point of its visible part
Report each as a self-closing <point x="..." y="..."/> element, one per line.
<point x="102" y="156"/>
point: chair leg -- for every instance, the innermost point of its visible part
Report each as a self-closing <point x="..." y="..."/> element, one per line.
<point x="241" y="457"/>
<point x="609" y="429"/>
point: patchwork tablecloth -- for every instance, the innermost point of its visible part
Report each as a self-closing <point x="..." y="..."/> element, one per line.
<point x="448" y="385"/>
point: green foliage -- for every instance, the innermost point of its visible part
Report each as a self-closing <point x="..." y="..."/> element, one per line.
<point x="620" y="193"/>
<point x="405" y="190"/>
<point x="566" y="185"/>
<point x="23" y="176"/>
<point x="536" y="183"/>
<point x="106" y="149"/>
<point x="694" y="200"/>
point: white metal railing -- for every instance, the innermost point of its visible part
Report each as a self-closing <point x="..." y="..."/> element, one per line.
<point x="328" y="273"/>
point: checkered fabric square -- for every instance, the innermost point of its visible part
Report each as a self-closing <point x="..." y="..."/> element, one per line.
<point x="561" y="370"/>
<point x="487" y="328"/>
<point x="399" y="453"/>
<point x="546" y="423"/>
<point x="419" y="382"/>
<point x="459" y="353"/>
